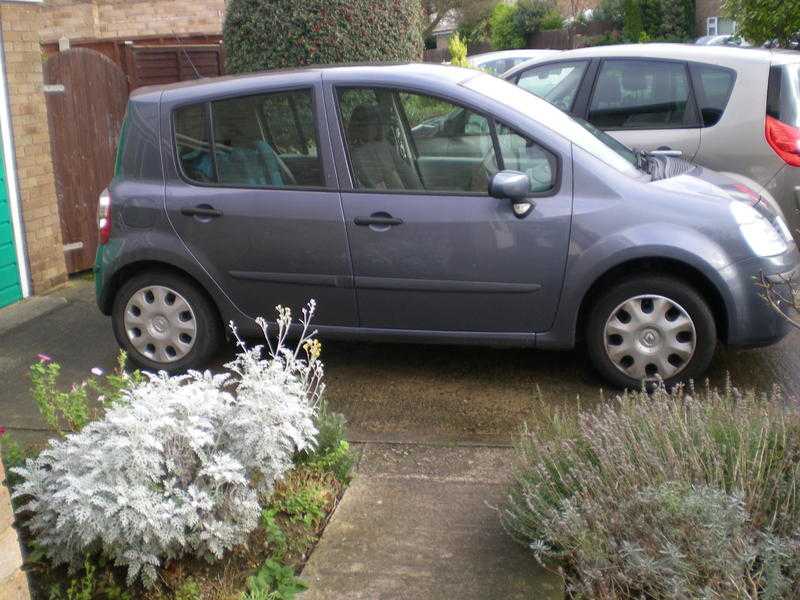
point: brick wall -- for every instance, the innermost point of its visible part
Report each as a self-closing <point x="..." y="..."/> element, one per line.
<point x="704" y="9"/>
<point x="13" y="582"/>
<point x="130" y="18"/>
<point x="20" y="24"/>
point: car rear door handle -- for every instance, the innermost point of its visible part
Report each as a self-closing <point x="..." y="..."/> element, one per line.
<point x="201" y="211"/>
<point x="666" y="151"/>
<point x="381" y="220"/>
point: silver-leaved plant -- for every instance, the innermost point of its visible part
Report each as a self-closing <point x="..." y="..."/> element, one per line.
<point x="180" y="465"/>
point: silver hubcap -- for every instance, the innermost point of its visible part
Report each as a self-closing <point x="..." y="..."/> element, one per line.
<point x="160" y="324"/>
<point x="648" y="336"/>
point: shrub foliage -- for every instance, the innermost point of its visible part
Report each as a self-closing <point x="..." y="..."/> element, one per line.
<point x="178" y="465"/>
<point x="273" y="34"/>
<point x="764" y="20"/>
<point x="675" y="495"/>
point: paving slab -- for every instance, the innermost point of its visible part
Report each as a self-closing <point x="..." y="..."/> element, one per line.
<point x="418" y="522"/>
<point x="28" y="310"/>
<point x="72" y="331"/>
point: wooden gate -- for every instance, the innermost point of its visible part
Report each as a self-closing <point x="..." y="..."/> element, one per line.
<point x="86" y="98"/>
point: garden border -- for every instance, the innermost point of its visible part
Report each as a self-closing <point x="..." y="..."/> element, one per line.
<point x="13" y="580"/>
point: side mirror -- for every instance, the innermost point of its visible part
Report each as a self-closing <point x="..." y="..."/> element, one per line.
<point x="514" y="186"/>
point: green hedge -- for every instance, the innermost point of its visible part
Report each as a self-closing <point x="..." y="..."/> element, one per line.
<point x="272" y="34"/>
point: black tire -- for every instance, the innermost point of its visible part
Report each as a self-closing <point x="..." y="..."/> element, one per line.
<point x="208" y="327"/>
<point x="705" y="330"/>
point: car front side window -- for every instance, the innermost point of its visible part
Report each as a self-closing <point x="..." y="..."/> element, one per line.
<point x="526" y="156"/>
<point x="641" y="94"/>
<point x="557" y="83"/>
<point x="400" y="140"/>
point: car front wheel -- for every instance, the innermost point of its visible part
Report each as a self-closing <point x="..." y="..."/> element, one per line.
<point x="165" y="322"/>
<point x="646" y="328"/>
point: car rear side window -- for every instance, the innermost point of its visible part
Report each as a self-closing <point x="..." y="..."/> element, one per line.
<point x="641" y="94"/>
<point x="265" y="140"/>
<point x="557" y="83"/>
<point x="713" y="86"/>
<point x="193" y="142"/>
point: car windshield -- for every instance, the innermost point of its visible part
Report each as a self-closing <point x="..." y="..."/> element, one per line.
<point x="582" y="134"/>
<point x="615" y="145"/>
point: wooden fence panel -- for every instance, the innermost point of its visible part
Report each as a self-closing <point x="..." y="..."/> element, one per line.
<point x="152" y="65"/>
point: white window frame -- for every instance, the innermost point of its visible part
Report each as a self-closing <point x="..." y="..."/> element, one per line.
<point x="712" y="23"/>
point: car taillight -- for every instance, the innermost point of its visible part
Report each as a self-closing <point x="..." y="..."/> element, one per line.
<point x="104" y="217"/>
<point x="784" y="140"/>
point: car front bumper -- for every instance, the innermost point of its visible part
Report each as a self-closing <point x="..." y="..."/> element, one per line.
<point x="751" y="320"/>
<point x="785" y="188"/>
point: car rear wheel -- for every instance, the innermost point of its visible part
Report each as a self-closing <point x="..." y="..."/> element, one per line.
<point x="646" y="328"/>
<point x="165" y="322"/>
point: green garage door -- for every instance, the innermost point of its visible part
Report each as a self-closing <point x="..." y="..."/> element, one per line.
<point x="10" y="290"/>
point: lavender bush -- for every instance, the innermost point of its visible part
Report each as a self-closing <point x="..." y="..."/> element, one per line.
<point x="177" y="465"/>
<point x="689" y="494"/>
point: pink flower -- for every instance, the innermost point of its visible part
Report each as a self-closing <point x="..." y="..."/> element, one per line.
<point x="2" y="431"/>
<point x="43" y="358"/>
<point x="97" y="371"/>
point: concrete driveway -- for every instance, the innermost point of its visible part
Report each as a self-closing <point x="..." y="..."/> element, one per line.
<point x="390" y="393"/>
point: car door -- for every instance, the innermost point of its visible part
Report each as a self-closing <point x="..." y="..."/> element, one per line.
<point x="431" y="249"/>
<point x="252" y="193"/>
<point x="646" y="104"/>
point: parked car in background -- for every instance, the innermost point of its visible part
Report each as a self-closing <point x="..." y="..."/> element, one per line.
<point x="793" y="43"/>
<point x="723" y="40"/>
<point x="496" y="63"/>
<point x="506" y="222"/>
<point x="734" y="110"/>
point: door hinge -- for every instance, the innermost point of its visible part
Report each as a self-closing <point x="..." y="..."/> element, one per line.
<point x="73" y="247"/>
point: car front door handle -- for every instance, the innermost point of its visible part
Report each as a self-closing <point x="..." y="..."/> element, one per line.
<point x="379" y="220"/>
<point x="203" y="211"/>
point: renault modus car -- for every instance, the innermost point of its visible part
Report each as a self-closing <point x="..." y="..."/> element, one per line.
<point x="423" y="203"/>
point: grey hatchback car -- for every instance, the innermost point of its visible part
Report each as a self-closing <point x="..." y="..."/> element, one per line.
<point x="423" y="203"/>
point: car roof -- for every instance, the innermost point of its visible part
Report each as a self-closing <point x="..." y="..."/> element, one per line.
<point x="722" y="55"/>
<point x="532" y="52"/>
<point x="410" y="72"/>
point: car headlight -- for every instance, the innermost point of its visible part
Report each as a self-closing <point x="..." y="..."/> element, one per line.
<point x="761" y="235"/>
<point x="784" y="229"/>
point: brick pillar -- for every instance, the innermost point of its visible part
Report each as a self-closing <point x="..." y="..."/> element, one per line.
<point x="20" y="25"/>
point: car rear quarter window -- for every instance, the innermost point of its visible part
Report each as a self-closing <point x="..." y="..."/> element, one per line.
<point x="783" y="93"/>
<point x="713" y="86"/>
<point x="264" y="140"/>
<point x="641" y="94"/>
<point x="138" y="155"/>
<point x="557" y="83"/>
